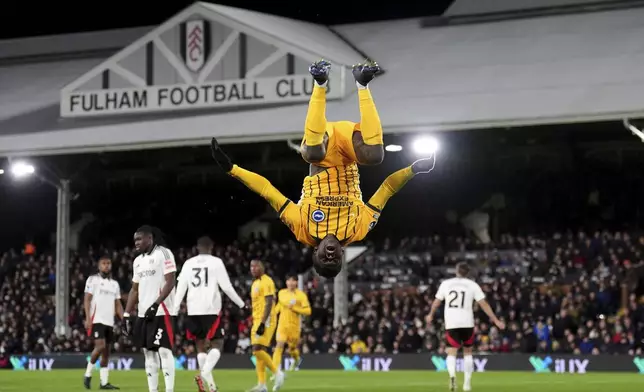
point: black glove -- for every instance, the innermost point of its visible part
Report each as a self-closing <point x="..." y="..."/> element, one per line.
<point x="220" y="156"/>
<point x="127" y="325"/>
<point x="151" y="313"/>
<point x="260" y="329"/>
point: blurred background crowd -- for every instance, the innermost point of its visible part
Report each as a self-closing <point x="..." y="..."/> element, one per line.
<point x="562" y="293"/>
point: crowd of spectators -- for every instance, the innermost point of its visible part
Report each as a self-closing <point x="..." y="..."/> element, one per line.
<point x="551" y="315"/>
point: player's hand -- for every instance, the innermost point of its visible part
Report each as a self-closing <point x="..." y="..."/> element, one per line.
<point x="424" y="165"/>
<point x="260" y="329"/>
<point x="127" y="325"/>
<point x="88" y="324"/>
<point x="220" y="156"/>
<point x="152" y="311"/>
<point x="429" y="319"/>
<point x="500" y="324"/>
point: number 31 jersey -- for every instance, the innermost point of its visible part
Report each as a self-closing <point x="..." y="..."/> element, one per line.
<point x="459" y="294"/>
<point x="202" y="276"/>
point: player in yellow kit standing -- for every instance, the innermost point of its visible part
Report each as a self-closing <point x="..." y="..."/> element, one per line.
<point x="292" y="304"/>
<point x="262" y="294"/>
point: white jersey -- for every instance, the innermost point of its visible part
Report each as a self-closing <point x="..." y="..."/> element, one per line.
<point x="150" y="270"/>
<point x="105" y="292"/>
<point x="459" y="295"/>
<point x="202" y="276"/>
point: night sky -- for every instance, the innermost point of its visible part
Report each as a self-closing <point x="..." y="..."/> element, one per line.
<point x="23" y="19"/>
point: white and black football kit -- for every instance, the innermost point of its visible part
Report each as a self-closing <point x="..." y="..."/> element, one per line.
<point x="149" y="272"/>
<point x="459" y="294"/>
<point x="105" y="292"/>
<point x="202" y="277"/>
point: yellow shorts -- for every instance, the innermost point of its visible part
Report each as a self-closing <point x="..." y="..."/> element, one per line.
<point x="267" y="338"/>
<point x="288" y="335"/>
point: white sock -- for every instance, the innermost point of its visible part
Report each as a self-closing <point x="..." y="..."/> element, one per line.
<point x="361" y="87"/>
<point x="201" y="359"/>
<point x="104" y="372"/>
<point x="323" y="84"/>
<point x="451" y="365"/>
<point x="152" y="370"/>
<point x="90" y="367"/>
<point x="167" y="366"/>
<point x="206" y="371"/>
<point x="468" y="368"/>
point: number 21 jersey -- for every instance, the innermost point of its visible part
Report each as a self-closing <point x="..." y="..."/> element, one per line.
<point x="459" y="294"/>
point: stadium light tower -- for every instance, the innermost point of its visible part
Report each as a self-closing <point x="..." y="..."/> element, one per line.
<point x="21" y="170"/>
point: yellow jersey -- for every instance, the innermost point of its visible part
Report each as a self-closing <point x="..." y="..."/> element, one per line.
<point x="292" y="306"/>
<point x="341" y="176"/>
<point x="259" y="290"/>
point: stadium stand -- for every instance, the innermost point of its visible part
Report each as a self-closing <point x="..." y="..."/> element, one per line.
<point x="559" y="294"/>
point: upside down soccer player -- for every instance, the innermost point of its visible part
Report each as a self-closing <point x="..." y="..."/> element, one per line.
<point x="332" y="217"/>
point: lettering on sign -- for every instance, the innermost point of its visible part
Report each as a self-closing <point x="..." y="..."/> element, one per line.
<point x="183" y="96"/>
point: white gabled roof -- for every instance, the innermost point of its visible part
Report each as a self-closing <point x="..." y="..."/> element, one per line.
<point x="307" y="41"/>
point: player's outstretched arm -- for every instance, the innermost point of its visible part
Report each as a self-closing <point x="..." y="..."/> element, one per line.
<point x="368" y="144"/>
<point x="490" y="313"/>
<point x="224" y="283"/>
<point x="253" y="181"/>
<point x="397" y="180"/>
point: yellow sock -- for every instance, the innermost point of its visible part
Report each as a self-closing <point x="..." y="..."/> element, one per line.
<point x="295" y="354"/>
<point x="260" y="369"/>
<point x="370" y="125"/>
<point x="315" y="125"/>
<point x="277" y="355"/>
<point x="268" y="362"/>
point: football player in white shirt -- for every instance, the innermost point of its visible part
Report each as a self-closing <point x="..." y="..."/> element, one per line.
<point x="460" y="293"/>
<point x="102" y="302"/>
<point x="153" y="280"/>
<point x="202" y="276"/>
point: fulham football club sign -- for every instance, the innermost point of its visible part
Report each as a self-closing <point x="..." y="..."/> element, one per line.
<point x="197" y="60"/>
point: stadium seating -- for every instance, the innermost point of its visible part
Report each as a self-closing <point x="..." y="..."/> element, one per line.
<point x="560" y="293"/>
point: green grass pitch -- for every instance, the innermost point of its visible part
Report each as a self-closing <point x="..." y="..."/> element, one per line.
<point x="336" y="381"/>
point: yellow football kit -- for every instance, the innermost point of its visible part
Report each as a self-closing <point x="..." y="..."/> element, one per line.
<point x="291" y="306"/>
<point x="314" y="217"/>
<point x="260" y="289"/>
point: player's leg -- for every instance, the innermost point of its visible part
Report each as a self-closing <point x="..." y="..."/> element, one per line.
<point x="280" y="343"/>
<point x="144" y="331"/>
<point x="454" y="342"/>
<point x="215" y="334"/>
<point x="163" y="341"/>
<point x="294" y="352"/>
<point x="369" y="148"/>
<point x="105" y="356"/>
<point x="262" y="360"/>
<point x="211" y="361"/>
<point x="200" y="343"/>
<point x="313" y="148"/>
<point x="99" y="343"/>
<point x="468" y="361"/>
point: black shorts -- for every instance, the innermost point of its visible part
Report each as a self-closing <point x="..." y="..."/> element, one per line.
<point x="155" y="333"/>
<point x="101" y="331"/>
<point x="460" y="337"/>
<point x="207" y="326"/>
